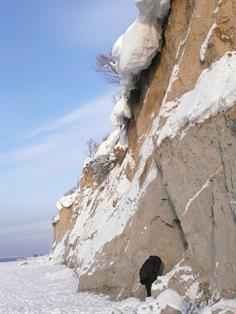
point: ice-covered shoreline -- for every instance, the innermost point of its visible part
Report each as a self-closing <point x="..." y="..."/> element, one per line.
<point x="39" y="286"/>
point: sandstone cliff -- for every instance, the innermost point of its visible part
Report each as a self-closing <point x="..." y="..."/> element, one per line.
<point x="171" y="189"/>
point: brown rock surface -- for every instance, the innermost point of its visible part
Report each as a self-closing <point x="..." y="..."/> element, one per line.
<point x="150" y="231"/>
<point x="62" y="225"/>
<point x="205" y="177"/>
<point x="193" y="196"/>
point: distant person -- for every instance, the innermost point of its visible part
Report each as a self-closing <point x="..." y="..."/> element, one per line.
<point x="149" y="271"/>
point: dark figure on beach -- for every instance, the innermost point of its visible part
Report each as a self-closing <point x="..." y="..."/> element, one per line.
<point x="149" y="271"/>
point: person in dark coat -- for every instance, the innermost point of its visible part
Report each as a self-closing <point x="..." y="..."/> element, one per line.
<point x="149" y="271"/>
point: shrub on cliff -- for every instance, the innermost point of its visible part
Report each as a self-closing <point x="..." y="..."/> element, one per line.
<point x="101" y="166"/>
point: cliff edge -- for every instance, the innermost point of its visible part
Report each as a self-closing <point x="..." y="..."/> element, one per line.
<point x="164" y="182"/>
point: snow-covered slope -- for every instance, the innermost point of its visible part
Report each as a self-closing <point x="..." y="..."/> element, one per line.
<point x="214" y="92"/>
<point x="106" y="223"/>
<point x="164" y="182"/>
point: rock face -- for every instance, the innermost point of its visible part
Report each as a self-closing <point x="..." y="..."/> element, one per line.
<point x="205" y="177"/>
<point x="61" y="225"/>
<point x="175" y="198"/>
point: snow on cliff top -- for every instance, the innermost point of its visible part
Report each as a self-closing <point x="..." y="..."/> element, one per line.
<point x="134" y="50"/>
<point x="158" y="8"/>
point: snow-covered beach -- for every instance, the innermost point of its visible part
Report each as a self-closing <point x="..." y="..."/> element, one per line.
<point x="37" y="286"/>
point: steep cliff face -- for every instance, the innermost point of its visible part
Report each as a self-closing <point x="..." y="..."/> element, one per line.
<point x="171" y="191"/>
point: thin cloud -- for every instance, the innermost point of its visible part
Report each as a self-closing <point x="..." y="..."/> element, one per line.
<point x="75" y="116"/>
<point x="71" y="20"/>
<point x="25" y="229"/>
<point x="25" y="240"/>
<point x="28" y="152"/>
<point x="59" y="137"/>
<point x="48" y="164"/>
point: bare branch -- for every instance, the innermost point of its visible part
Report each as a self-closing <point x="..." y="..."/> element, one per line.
<point x="92" y="147"/>
<point x="106" y="66"/>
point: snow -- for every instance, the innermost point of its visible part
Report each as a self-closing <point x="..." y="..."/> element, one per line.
<point x="158" y="8"/>
<point x="108" y="145"/>
<point x="173" y="78"/>
<point x="37" y="286"/>
<point x="56" y="219"/>
<point x="120" y="112"/>
<point x="164" y="9"/>
<point x="206" y="42"/>
<point x="214" y="92"/>
<point x="179" y="55"/>
<point x="163" y="281"/>
<point x="98" y="221"/>
<point x="167" y="297"/>
<point x="134" y="50"/>
<point x="123" y="140"/>
<point x="116" y="49"/>
<point x="58" y="249"/>
<point x="205" y="185"/>
<point x="94" y="228"/>
<point x="172" y="299"/>
<point x="66" y="201"/>
<point x="217" y="6"/>
<point x="118" y="138"/>
<point x="225" y="305"/>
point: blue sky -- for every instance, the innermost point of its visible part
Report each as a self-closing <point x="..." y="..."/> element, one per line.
<point x="51" y="102"/>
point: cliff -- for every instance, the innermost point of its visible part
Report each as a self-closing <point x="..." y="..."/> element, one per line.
<point x="168" y="180"/>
